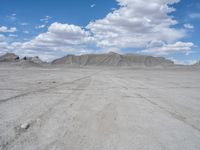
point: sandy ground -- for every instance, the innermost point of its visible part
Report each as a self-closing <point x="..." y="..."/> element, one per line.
<point x="99" y="109"/>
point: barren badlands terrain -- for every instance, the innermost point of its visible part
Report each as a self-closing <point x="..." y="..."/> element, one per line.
<point x="99" y="108"/>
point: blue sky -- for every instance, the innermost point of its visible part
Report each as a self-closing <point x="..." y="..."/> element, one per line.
<point x="51" y="29"/>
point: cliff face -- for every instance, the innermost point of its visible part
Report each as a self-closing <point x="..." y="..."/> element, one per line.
<point x="112" y="59"/>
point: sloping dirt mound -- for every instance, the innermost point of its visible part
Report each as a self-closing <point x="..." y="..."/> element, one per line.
<point x="30" y="62"/>
<point x="112" y="59"/>
<point x="13" y="59"/>
<point x="9" y="57"/>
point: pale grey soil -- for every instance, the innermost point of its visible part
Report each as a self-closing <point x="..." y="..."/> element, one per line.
<point x="99" y="109"/>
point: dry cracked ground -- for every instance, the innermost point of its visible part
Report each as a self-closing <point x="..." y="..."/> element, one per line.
<point x="99" y="109"/>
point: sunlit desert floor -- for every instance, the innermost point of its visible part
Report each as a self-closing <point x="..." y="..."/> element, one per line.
<point x="99" y="108"/>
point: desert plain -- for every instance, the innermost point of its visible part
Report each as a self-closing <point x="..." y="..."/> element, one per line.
<point x="99" y="108"/>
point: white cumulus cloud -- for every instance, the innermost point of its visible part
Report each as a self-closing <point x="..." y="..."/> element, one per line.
<point x="6" y="29"/>
<point x="60" y="38"/>
<point x="26" y="32"/>
<point x="194" y="15"/>
<point x="13" y="35"/>
<point x="24" y="23"/>
<point x="46" y="19"/>
<point x="165" y="49"/>
<point x="93" y="5"/>
<point x="12" y="17"/>
<point x="188" y="26"/>
<point x="135" y="25"/>
<point x="40" y="26"/>
<point x="4" y="46"/>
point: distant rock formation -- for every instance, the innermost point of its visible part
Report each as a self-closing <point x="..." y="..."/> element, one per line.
<point x="13" y="58"/>
<point x="35" y="60"/>
<point x="112" y="59"/>
<point x="197" y="63"/>
<point x="108" y="59"/>
<point x="9" y="57"/>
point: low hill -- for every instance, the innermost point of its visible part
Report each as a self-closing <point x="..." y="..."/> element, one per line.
<point x="9" y="57"/>
<point x="112" y="59"/>
<point x="13" y="58"/>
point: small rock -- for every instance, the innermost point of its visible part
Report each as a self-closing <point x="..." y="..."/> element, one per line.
<point x="25" y="126"/>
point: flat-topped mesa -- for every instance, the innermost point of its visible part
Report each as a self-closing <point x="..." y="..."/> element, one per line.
<point x="9" y="57"/>
<point x="112" y="59"/>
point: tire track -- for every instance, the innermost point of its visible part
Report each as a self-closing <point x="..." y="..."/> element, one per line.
<point x="44" y="116"/>
<point x="173" y="114"/>
<point x="46" y="89"/>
